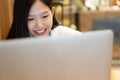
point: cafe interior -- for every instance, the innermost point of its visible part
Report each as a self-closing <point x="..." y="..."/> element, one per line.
<point x="81" y="15"/>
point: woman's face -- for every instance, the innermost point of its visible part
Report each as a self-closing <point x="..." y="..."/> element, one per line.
<point x="40" y="19"/>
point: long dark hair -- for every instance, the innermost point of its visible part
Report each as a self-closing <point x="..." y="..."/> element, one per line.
<point x="19" y="25"/>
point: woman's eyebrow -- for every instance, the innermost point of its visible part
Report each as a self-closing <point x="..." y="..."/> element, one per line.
<point x="42" y="13"/>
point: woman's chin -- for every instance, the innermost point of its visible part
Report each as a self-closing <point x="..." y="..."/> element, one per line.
<point x="44" y="35"/>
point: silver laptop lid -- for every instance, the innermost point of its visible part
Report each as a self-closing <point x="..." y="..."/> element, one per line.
<point x="82" y="57"/>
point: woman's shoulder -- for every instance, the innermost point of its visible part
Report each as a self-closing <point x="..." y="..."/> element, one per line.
<point x="64" y="31"/>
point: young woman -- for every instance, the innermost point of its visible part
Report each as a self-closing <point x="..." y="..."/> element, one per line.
<point x="34" y="18"/>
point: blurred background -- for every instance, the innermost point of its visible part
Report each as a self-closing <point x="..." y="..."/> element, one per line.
<point x="82" y="15"/>
<point x="87" y="15"/>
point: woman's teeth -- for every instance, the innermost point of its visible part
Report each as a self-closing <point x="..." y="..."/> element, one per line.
<point x="40" y="31"/>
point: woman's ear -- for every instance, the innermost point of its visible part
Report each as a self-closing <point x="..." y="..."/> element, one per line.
<point x="53" y="10"/>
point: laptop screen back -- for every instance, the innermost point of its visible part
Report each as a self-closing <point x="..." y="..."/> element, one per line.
<point x="82" y="57"/>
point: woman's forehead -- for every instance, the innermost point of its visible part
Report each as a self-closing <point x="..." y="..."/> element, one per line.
<point x="39" y="4"/>
<point x="39" y="7"/>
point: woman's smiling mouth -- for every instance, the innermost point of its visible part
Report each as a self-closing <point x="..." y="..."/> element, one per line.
<point x="41" y="32"/>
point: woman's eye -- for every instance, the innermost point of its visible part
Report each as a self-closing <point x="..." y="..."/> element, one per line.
<point x="30" y="19"/>
<point x="45" y="16"/>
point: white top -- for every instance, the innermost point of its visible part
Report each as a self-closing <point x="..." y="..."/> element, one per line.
<point x="64" y="31"/>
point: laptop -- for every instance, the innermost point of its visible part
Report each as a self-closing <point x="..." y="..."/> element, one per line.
<point x="81" y="57"/>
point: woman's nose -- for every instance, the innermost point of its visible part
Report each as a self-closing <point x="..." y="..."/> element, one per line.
<point x="39" y="23"/>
